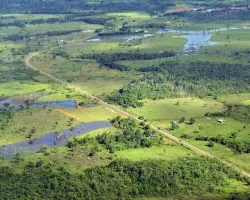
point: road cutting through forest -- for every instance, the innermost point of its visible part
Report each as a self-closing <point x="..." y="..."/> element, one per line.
<point x="119" y="110"/>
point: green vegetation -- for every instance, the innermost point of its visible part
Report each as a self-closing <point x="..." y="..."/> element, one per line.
<point x="133" y="136"/>
<point x="144" y="178"/>
<point x="114" y="52"/>
<point x="30" y="123"/>
<point x="175" y="109"/>
<point x="164" y="152"/>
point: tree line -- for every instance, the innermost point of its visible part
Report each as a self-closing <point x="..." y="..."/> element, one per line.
<point x="238" y="112"/>
<point x="230" y="142"/>
<point x="18" y="37"/>
<point x="110" y="60"/>
<point x="223" y="15"/>
<point x="172" y="79"/>
<point x="121" y="179"/>
<point x="133" y="135"/>
<point x="81" y="6"/>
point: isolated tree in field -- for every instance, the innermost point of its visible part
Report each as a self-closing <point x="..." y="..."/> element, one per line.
<point x="210" y="144"/>
<point x="6" y="105"/>
<point x="17" y="157"/>
<point x="44" y="148"/>
<point x="192" y="121"/>
<point x="182" y="120"/>
<point x="233" y="135"/>
<point x="141" y="117"/>
<point x="175" y="125"/>
<point x="33" y="130"/>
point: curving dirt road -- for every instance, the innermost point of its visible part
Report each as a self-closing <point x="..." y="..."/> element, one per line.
<point x="120" y="111"/>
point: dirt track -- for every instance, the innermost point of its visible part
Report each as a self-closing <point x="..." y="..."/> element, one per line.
<point x="120" y="111"/>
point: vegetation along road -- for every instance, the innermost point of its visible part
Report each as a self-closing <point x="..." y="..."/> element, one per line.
<point x="120" y="111"/>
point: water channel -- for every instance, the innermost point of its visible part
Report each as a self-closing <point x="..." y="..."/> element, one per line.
<point x="52" y="139"/>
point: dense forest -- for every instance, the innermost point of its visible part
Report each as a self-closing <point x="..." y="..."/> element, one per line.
<point x="6" y="22"/>
<point x="67" y="6"/>
<point x="110" y="60"/>
<point x="194" y="176"/>
<point x="173" y="79"/>
<point x="215" y="15"/>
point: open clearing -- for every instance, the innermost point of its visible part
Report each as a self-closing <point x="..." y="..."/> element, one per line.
<point x="174" y="109"/>
<point x="166" y="152"/>
<point x="85" y="74"/>
<point x="34" y="122"/>
<point x="96" y="113"/>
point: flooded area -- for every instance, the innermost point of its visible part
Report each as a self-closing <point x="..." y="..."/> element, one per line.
<point x="195" y="39"/>
<point x="127" y="38"/>
<point x="15" y="103"/>
<point x="52" y="139"/>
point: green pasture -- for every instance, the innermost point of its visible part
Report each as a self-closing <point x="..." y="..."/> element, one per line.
<point x="85" y="74"/>
<point x="13" y="88"/>
<point x="42" y="28"/>
<point x="229" y="41"/>
<point x="134" y="15"/>
<point x="32" y="16"/>
<point x="130" y="18"/>
<point x="223" y="152"/>
<point x="175" y="109"/>
<point x="114" y="44"/>
<point x="42" y="120"/>
<point x="183" y="24"/>
<point x="210" y="127"/>
<point x="97" y="113"/>
<point x="57" y="92"/>
<point x="16" y="79"/>
<point x="166" y="152"/>
<point x="99" y="132"/>
<point x="235" y="99"/>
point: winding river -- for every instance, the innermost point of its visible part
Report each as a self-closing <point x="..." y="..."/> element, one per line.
<point x="52" y="139"/>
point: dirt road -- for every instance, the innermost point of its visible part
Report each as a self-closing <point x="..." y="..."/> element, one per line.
<point x="120" y="111"/>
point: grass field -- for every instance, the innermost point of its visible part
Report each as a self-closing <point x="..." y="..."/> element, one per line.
<point x="42" y="120"/>
<point x="114" y="44"/>
<point x="211" y="128"/>
<point x="134" y="15"/>
<point x="16" y="79"/>
<point x="236" y="99"/>
<point x="166" y="152"/>
<point x="57" y="92"/>
<point x="99" y="131"/>
<point x="18" y="88"/>
<point x="229" y="41"/>
<point x="173" y="109"/>
<point x="130" y="18"/>
<point x="85" y="74"/>
<point x="220" y="151"/>
<point x="96" y="113"/>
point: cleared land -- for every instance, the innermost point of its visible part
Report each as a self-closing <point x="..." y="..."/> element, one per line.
<point x="174" y="109"/>
<point x="86" y="74"/>
<point x="32" y="123"/>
